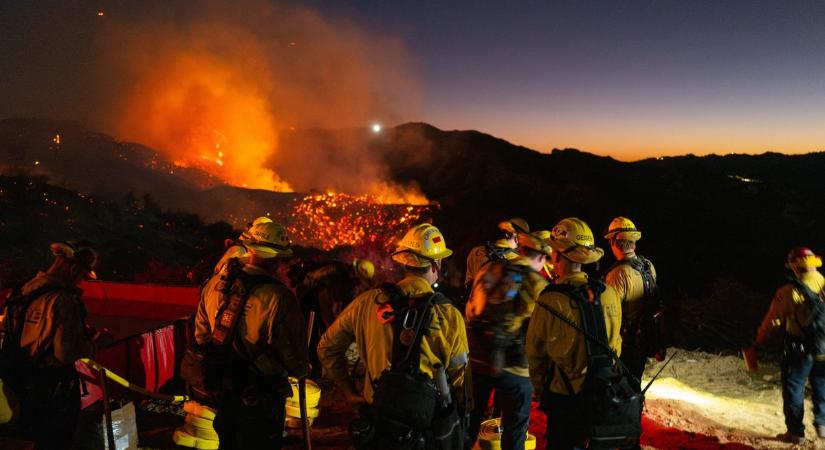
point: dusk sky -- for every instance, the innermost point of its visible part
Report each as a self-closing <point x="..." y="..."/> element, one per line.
<point x="629" y="79"/>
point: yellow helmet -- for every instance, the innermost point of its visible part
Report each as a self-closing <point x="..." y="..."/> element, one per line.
<point x="534" y="242"/>
<point x="504" y="243"/>
<point x="245" y="235"/>
<point x="268" y="240"/>
<point x="364" y="268"/>
<point x="803" y="258"/>
<point x="623" y="228"/>
<point x="514" y="225"/>
<point x="573" y="238"/>
<point x="422" y="245"/>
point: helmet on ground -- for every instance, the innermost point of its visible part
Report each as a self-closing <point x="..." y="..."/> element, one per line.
<point x="421" y="246"/>
<point x="364" y="268"/>
<point x="622" y="228"/>
<point x="573" y="238"/>
<point x="534" y="242"/>
<point x="268" y="240"/>
<point x="81" y="252"/>
<point x="514" y="225"/>
<point x="803" y="258"/>
<point x="263" y="219"/>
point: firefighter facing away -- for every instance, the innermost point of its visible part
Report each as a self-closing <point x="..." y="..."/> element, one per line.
<point x="798" y="313"/>
<point x="44" y="334"/>
<point x="327" y="290"/>
<point x="502" y="249"/>
<point x="634" y="279"/>
<point x="250" y="336"/>
<point x="557" y="353"/>
<point x="414" y="347"/>
<point x="503" y="297"/>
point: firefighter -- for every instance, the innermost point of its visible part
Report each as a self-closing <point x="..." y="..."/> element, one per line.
<point x="556" y="352"/>
<point x="504" y="248"/>
<point x="47" y="315"/>
<point x="250" y="336"/>
<point x="435" y="336"/>
<point x="634" y="279"/>
<point x="327" y="291"/>
<point x="235" y="247"/>
<point x="796" y="313"/>
<point x="502" y="299"/>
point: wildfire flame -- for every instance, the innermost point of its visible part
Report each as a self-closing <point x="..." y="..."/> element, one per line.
<point x="332" y="220"/>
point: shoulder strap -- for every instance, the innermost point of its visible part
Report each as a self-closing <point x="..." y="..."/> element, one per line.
<point x="235" y="292"/>
<point x="641" y="265"/>
<point x="410" y="326"/>
<point x="592" y="342"/>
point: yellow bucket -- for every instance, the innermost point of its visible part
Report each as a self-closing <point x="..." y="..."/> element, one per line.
<point x="184" y="439"/>
<point x="295" y="411"/>
<point x="489" y="437"/>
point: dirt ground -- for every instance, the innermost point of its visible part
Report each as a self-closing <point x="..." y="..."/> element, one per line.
<point x="701" y="401"/>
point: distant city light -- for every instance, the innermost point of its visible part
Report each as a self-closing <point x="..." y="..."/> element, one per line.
<point x="376" y="128"/>
<point x="100" y="13"/>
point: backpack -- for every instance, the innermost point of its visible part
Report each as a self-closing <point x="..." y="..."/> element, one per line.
<point x="814" y="328"/>
<point x="648" y="332"/>
<point x="614" y="407"/>
<point x="14" y="361"/>
<point x="204" y="367"/>
<point x="490" y="339"/>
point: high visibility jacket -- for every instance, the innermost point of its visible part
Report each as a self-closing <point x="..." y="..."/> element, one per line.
<point x="513" y="323"/>
<point x="54" y="334"/>
<point x="630" y="287"/>
<point x="478" y="258"/>
<point x="445" y="342"/>
<point x="554" y="347"/>
<point x="272" y="328"/>
<point x="788" y="310"/>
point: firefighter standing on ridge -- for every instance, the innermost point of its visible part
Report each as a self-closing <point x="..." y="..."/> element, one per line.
<point x="250" y="336"/>
<point x="411" y="340"/>
<point x="502" y="299"/>
<point x="634" y="279"/>
<point x="502" y="249"/>
<point x="797" y="310"/>
<point x="557" y="353"/>
<point x="327" y="290"/>
<point x="45" y="333"/>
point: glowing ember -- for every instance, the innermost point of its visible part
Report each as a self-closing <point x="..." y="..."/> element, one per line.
<point x="332" y="220"/>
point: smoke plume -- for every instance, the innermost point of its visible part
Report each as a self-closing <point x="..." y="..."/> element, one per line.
<point x="221" y="87"/>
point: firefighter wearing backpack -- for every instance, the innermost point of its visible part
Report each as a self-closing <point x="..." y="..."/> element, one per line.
<point x="250" y="336"/>
<point x="327" y="290"/>
<point x="503" y="297"/>
<point x="414" y="347"/>
<point x="502" y="249"/>
<point x="634" y="279"/>
<point x="44" y="334"/>
<point x="558" y="353"/>
<point x="798" y="314"/>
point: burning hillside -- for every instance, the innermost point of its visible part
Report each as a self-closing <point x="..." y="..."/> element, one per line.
<point x="332" y="220"/>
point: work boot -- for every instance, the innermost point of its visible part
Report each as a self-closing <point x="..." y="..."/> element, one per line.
<point x="820" y="431"/>
<point x="792" y="438"/>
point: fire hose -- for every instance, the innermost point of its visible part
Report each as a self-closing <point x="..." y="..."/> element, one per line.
<point x="125" y="383"/>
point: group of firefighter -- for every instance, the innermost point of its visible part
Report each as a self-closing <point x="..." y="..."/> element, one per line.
<point x="534" y="326"/>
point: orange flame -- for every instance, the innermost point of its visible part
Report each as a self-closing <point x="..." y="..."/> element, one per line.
<point x="332" y="220"/>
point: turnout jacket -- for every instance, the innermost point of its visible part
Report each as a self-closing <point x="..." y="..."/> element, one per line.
<point x="514" y="322"/>
<point x="445" y="342"/>
<point x="788" y="310"/>
<point x="479" y="257"/>
<point x="630" y="288"/>
<point x="54" y="333"/>
<point x="272" y="329"/>
<point x="554" y="347"/>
